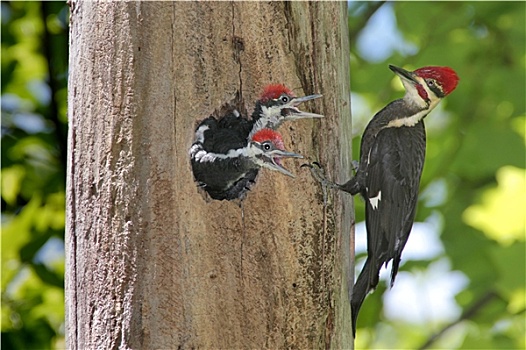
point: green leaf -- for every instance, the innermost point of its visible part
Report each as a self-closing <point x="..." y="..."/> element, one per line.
<point x="12" y="178"/>
<point x="511" y="266"/>
<point x="500" y="214"/>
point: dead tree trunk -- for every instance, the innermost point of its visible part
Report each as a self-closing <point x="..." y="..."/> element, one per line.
<point x="151" y="264"/>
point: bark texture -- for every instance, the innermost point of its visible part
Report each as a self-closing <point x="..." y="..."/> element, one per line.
<point x="151" y="263"/>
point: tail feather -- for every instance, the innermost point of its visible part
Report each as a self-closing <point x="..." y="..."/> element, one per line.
<point x="394" y="269"/>
<point x="366" y="282"/>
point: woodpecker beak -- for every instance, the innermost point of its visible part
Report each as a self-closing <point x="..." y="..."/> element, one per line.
<point x="416" y="91"/>
<point x="292" y="112"/>
<point x="273" y="158"/>
<point x="404" y="74"/>
<point x="296" y="101"/>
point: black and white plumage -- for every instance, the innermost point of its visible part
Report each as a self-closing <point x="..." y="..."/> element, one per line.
<point x="392" y="156"/>
<point x="221" y="153"/>
<point x="226" y="164"/>
<point x="278" y="104"/>
<point x="392" y="164"/>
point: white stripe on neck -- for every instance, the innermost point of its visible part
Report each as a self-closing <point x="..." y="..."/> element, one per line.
<point x="408" y="121"/>
<point x="203" y="156"/>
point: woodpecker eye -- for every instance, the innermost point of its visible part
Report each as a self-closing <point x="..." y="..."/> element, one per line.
<point x="435" y="87"/>
<point x="267" y="146"/>
<point x="284" y="98"/>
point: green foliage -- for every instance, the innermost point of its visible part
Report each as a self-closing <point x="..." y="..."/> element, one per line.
<point x="34" y="69"/>
<point x="475" y="152"/>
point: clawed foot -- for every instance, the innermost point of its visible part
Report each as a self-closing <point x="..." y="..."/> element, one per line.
<point x="319" y="174"/>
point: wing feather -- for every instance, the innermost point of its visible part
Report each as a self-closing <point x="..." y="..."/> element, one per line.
<point x="392" y="183"/>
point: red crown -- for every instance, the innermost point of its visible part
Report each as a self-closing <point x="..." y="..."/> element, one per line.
<point x="269" y="135"/>
<point x="274" y="91"/>
<point x="444" y="75"/>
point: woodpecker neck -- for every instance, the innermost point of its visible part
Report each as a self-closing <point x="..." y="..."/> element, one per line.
<point x="418" y="98"/>
<point x="415" y="95"/>
<point x="264" y="117"/>
<point x="270" y="114"/>
<point x="410" y="120"/>
<point x="257" y="111"/>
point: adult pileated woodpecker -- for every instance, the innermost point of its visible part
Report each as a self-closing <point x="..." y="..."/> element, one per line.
<point x="226" y="166"/>
<point x="221" y="156"/>
<point x="391" y="160"/>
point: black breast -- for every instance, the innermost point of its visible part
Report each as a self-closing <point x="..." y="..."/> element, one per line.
<point x="223" y="178"/>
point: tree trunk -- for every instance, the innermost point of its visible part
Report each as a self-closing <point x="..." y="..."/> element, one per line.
<point x="153" y="264"/>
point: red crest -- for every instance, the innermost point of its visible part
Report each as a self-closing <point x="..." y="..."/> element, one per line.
<point x="446" y="76"/>
<point x="269" y="135"/>
<point x="274" y="91"/>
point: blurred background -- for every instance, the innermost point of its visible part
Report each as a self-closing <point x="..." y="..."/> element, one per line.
<point x="462" y="282"/>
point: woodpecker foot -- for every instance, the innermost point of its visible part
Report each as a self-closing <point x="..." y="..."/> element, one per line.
<point x="316" y="170"/>
<point x="319" y="174"/>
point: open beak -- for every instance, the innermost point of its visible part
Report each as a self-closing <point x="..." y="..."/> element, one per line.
<point x="404" y="74"/>
<point x="273" y="160"/>
<point x="292" y="112"/>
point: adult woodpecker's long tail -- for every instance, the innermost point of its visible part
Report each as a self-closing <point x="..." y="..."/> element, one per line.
<point x="366" y="282"/>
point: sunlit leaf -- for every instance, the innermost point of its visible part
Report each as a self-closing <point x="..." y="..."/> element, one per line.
<point x="500" y="213"/>
<point x="11" y="183"/>
<point x="16" y="233"/>
<point x="517" y="301"/>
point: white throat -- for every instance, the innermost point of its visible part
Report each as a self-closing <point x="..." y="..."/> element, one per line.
<point x="412" y="97"/>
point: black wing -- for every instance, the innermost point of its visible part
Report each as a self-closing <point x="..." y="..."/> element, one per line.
<point x="392" y="183"/>
<point x="229" y="132"/>
<point x="392" y="177"/>
<point x="223" y="178"/>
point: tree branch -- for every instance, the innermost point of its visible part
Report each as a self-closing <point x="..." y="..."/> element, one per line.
<point x="467" y="314"/>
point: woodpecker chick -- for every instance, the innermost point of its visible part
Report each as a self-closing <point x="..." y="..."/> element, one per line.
<point x="278" y="104"/>
<point x="226" y="164"/>
<point x="392" y="156"/>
